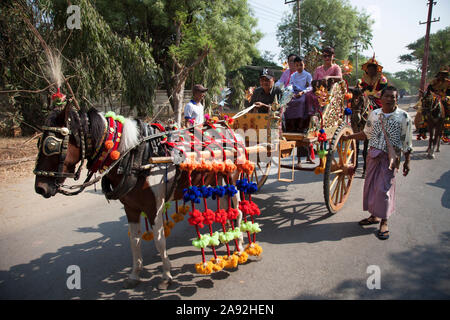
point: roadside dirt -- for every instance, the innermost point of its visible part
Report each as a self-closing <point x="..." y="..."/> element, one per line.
<point x="17" y="158"/>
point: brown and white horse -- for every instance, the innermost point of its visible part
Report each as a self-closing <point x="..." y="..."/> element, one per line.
<point x="72" y="136"/>
<point x="434" y="114"/>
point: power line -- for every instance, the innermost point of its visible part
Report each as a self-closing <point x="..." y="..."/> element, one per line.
<point x="266" y="10"/>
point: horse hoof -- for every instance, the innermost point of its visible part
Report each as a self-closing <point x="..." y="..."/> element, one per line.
<point x="164" y="284"/>
<point x="431" y="156"/>
<point x="131" y="283"/>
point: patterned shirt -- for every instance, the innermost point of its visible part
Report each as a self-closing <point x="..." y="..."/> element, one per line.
<point x="398" y="128"/>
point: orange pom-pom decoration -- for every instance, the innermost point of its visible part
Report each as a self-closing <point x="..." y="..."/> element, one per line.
<point x="189" y="165"/>
<point x="218" y="166"/>
<point x="109" y="144"/>
<point x="204" y="166"/>
<point x="230" y="167"/>
<point x="348" y="96"/>
<point x="115" y="155"/>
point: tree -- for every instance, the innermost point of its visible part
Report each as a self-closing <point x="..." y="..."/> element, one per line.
<point x="202" y="39"/>
<point x="411" y="77"/>
<point x="98" y="62"/>
<point x="332" y="23"/>
<point x="439" y="49"/>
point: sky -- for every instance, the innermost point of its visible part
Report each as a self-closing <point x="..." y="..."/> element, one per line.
<point x="396" y="25"/>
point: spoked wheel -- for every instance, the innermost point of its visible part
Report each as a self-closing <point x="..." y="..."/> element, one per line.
<point x="339" y="169"/>
<point x="261" y="172"/>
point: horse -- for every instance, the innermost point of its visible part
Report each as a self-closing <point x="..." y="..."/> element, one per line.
<point x="361" y="105"/>
<point x="434" y="114"/>
<point x="71" y="136"/>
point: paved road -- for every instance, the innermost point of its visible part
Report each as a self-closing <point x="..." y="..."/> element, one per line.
<point x="308" y="254"/>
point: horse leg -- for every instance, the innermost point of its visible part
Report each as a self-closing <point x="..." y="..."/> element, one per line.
<point x="160" y="243"/>
<point x="134" y="227"/>
<point x="431" y="143"/>
<point x="439" y="129"/>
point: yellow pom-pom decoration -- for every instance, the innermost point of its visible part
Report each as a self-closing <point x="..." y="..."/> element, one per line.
<point x="166" y="231"/>
<point x="147" y="236"/>
<point x="204" y="268"/>
<point x="253" y="249"/>
<point x="177" y="217"/>
<point x="218" y="264"/>
<point x="231" y="261"/>
<point x="319" y="170"/>
<point x="109" y="144"/>
<point x="184" y="209"/>
<point x="242" y="257"/>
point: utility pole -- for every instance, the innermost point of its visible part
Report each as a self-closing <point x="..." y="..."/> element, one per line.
<point x="298" y="25"/>
<point x="427" y="44"/>
<point x="356" y="46"/>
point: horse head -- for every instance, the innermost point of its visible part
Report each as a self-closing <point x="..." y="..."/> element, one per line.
<point x="432" y="106"/>
<point x="60" y="148"/>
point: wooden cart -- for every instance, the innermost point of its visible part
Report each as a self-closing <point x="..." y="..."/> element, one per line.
<point x="341" y="158"/>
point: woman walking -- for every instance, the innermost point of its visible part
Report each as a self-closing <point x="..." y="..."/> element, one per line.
<point x="392" y="123"/>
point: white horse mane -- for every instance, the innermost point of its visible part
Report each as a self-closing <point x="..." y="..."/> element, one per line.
<point x="130" y="135"/>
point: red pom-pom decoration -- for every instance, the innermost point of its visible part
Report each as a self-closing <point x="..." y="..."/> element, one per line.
<point x="254" y="209"/>
<point x="322" y="137"/>
<point x="245" y="208"/>
<point x="221" y="216"/>
<point x="209" y="216"/>
<point x="232" y="214"/>
<point x="196" y="218"/>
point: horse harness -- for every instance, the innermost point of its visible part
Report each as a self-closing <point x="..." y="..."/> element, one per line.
<point x="129" y="164"/>
<point x="56" y="142"/>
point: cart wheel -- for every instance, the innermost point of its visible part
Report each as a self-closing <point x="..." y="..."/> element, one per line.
<point x="339" y="169"/>
<point x="261" y="172"/>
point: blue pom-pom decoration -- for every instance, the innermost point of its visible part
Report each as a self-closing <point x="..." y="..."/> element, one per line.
<point x="347" y="111"/>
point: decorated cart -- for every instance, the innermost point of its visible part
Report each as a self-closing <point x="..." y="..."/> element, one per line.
<point x="239" y="149"/>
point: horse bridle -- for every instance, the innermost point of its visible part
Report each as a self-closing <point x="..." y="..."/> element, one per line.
<point x="54" y="145"/>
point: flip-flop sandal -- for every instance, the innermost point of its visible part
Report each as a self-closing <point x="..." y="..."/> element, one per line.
<point x="383" y="235"/>
<point x="368" y="221"/>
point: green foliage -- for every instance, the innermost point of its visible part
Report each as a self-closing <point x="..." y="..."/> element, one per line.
<point x="100" y="63"/>
<point x="193" y="41"/>
<point x="438" y="52"/>
<point x="332" y="23"/>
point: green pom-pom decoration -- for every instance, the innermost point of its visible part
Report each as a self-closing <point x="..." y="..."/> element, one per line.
<point x="167" y="206"/>
<point x="214" y="239"/>
<point x="202" y="242"/>
<point x="322" y="153"/>
<point x="143" y="214"/>
<point x="110" y="114"/>
<point x="250" y="227"/>
<point x="121" y="119"/>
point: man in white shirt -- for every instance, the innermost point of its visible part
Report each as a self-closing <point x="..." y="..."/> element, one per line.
<point x="193" y="111"/>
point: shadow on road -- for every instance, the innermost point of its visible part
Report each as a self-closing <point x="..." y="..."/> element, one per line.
<point x="104" y="263"/>
<point x="421" y="272"/>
